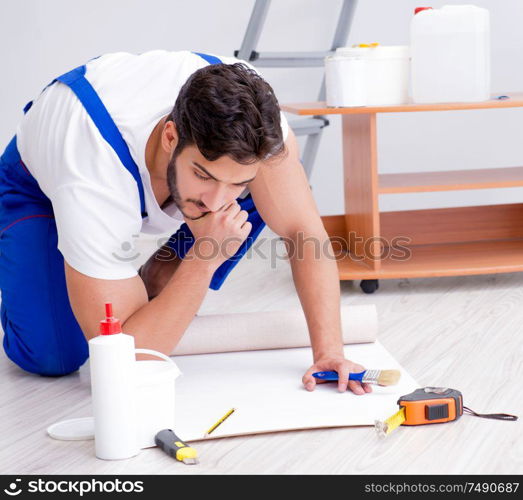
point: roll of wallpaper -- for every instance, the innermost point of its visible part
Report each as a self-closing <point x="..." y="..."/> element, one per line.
<point x="270" y="330"/>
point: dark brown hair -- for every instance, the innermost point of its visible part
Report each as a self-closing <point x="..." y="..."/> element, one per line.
<point x="228" y="110"/>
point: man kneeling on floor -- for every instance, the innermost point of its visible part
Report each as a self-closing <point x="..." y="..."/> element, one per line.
<point x="162" y="142"/>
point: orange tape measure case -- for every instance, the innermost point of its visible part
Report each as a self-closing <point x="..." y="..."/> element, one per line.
<point x="431" y="405"/>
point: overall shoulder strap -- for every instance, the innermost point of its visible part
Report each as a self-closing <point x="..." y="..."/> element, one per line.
<point x="96" y="109"/>
<point x="210" y="59"/>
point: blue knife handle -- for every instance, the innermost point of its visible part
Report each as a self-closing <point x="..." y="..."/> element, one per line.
<point x="334" y="376"/>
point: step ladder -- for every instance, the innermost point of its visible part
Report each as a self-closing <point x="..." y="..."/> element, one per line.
<point x="310" y="127"/>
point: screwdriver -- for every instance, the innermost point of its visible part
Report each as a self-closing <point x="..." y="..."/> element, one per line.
<point x="169" y="442"/>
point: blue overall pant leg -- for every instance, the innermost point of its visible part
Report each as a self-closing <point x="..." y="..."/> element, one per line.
<point x="41" y="334"/>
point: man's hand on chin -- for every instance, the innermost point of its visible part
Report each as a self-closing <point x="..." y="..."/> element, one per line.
<point x="343" y="366"/>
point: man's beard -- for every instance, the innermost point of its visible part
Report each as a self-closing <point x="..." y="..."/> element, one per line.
<point x="175" y="193"/>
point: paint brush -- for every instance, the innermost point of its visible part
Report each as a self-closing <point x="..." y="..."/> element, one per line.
<point x="378" y="377"/>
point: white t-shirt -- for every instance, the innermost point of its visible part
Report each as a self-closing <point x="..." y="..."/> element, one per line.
<point x="95" y="198"/>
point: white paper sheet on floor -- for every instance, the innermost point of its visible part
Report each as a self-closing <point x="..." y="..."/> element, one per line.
<point x="264" y="386"/>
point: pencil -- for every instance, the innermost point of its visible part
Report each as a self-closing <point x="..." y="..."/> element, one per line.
<point x="225" y="417"/>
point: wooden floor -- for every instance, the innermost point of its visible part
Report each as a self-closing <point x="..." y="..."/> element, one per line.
<point x="461" y="332"/>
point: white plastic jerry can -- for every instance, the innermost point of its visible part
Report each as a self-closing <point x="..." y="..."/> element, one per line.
<point x="450" y="50"/>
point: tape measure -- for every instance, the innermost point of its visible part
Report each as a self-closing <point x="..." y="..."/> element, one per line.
<point x="431" y="405"/>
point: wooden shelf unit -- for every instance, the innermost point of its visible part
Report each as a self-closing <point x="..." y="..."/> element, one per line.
<point x="417" y="182"/>
<point x="418" y="243"/>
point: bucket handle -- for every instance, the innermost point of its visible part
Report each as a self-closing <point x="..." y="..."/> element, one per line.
<point x="158" y="355"/>
<point x="155" y="353"/>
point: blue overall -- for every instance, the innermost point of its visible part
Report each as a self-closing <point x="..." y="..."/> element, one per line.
<point x="41" y="334"/>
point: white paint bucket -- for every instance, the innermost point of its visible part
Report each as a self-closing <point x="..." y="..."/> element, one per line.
<point x="155" y="397"/>
<point x="367" y="76"/>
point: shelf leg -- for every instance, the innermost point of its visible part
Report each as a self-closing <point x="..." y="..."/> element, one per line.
<point x="360" y="168"/>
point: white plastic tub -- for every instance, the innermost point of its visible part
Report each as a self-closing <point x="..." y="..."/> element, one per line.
<point x="155" y="399"/>
<point x="450" y="50"/>
<point x="367" y="76"/>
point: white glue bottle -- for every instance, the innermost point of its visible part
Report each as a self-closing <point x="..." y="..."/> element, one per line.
<point x="112" y="362"/>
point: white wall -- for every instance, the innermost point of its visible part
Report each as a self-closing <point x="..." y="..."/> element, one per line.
<point x="40" y="39"/>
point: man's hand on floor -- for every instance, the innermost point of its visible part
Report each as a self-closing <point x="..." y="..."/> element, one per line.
<point x="343" y="367"/>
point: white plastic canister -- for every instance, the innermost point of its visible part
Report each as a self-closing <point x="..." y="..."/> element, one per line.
<point x="367" y="76"/>
<point x="450" y="54"/>
<point x="155" y="396"/>
<point x="112" y="361"/>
